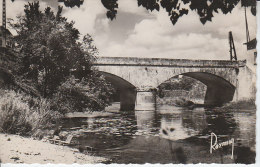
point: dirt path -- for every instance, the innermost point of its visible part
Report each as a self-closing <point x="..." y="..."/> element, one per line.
<point x="17" y="149"/>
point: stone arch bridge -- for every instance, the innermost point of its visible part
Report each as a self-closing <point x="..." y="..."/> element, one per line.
<point x="136" y="78"/>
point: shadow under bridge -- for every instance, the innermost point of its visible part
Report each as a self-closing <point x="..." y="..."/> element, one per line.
<point x="125" y="91"/>
<point x="219" y="90"/>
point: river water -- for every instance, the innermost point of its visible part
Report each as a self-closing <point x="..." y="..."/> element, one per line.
<point x="167" y="134"/>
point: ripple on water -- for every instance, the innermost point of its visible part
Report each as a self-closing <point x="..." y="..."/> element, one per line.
<point x="134" y="134"/>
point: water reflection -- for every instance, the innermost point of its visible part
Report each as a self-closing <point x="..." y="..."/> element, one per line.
<point x="245" y="131"/>
<point x="172" y="128"/>
<point x="182" y="123"/>
<point x="144" y="121"/>
<point x="220" y="123"/>
<point x="166" y="135"/>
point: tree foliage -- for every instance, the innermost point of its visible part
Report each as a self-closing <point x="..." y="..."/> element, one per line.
<point x="88" y="93"/>
<point x="184" y="83"/>
<point x="176" y="8"/>
<point x="204" y="8"/>
<point x="72" y="3"/>
<point x="56" y="61"/>
<point x="48" y="45"/>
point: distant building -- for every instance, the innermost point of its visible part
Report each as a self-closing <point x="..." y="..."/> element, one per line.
<point x="251" y="45"/>
<point x="6" y="42"/>
<point x="251" y="48"/>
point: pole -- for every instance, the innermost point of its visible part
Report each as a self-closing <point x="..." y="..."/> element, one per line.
<point x="247" y="30"/>
<point x="4" y="24"/>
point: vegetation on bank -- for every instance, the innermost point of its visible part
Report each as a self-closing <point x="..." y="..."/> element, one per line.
<point x="241" y="105"/>
<point x="182" y="84"/>
<point x="23" y="114"/>
<point x="50" y="73"/>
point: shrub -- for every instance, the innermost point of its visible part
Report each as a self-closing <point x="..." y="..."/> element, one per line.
<point x="23" y="114"/>
<point x="13" y="113"/>
<point x="91" y="94"/>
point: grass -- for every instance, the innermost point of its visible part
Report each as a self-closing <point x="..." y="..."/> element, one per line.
<point x="23" y="114"/>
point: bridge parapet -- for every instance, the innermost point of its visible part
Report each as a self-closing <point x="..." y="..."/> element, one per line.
<point x="134" y="61"/>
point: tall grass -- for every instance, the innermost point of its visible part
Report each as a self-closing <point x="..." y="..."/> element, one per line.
<point x="23" y="114"/>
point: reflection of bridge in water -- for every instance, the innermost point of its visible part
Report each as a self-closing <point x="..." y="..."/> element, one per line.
<point x="135" y="79"/>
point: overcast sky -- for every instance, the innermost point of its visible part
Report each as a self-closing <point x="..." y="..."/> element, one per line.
<point x="139" y="33"/>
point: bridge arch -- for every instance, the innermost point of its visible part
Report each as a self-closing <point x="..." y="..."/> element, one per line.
<point x="219" y="90"/>
<point x="125" y="91"/>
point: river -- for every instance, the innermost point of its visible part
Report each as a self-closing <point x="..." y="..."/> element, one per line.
<point x="166" y="134"/>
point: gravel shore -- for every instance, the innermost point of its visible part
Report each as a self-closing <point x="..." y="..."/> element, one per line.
<point x="17" y="149"/>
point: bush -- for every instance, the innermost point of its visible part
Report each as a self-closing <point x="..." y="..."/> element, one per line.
<point x="91" y="94"/>
<point x="13" y="113"/>
<point x="23" y="114"/>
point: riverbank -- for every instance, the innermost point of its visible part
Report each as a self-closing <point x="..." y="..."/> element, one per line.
<point x="94" y="114"/>
<point x="17" y="149"/>
<point x="244" y="105"/>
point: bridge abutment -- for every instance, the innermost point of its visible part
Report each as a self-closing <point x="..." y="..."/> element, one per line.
<point x="245" y="84"/>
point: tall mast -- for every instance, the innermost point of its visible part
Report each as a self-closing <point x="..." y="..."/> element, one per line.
<point x="247" y="30"/>
<point x="4" y="14"/>
<point x="4" y="24"/>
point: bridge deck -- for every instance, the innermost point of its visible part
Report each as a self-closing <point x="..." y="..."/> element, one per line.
<point x="133" y="61"/>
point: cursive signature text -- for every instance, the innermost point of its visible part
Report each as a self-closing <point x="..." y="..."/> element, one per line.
<point x="215" y="145"/>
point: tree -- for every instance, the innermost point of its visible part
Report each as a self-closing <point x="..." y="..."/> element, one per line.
<point x="48" y="45"/>
<point x="176" y="8"/>
<point x="57" y="62"/>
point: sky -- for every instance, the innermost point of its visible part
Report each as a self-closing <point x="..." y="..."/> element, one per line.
<point x="138" y="33"/>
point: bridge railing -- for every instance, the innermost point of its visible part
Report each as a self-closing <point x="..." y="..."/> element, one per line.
<point x="133" y="61"/>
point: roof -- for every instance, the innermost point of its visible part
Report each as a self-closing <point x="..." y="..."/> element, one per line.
<point x="251" y="44"/>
